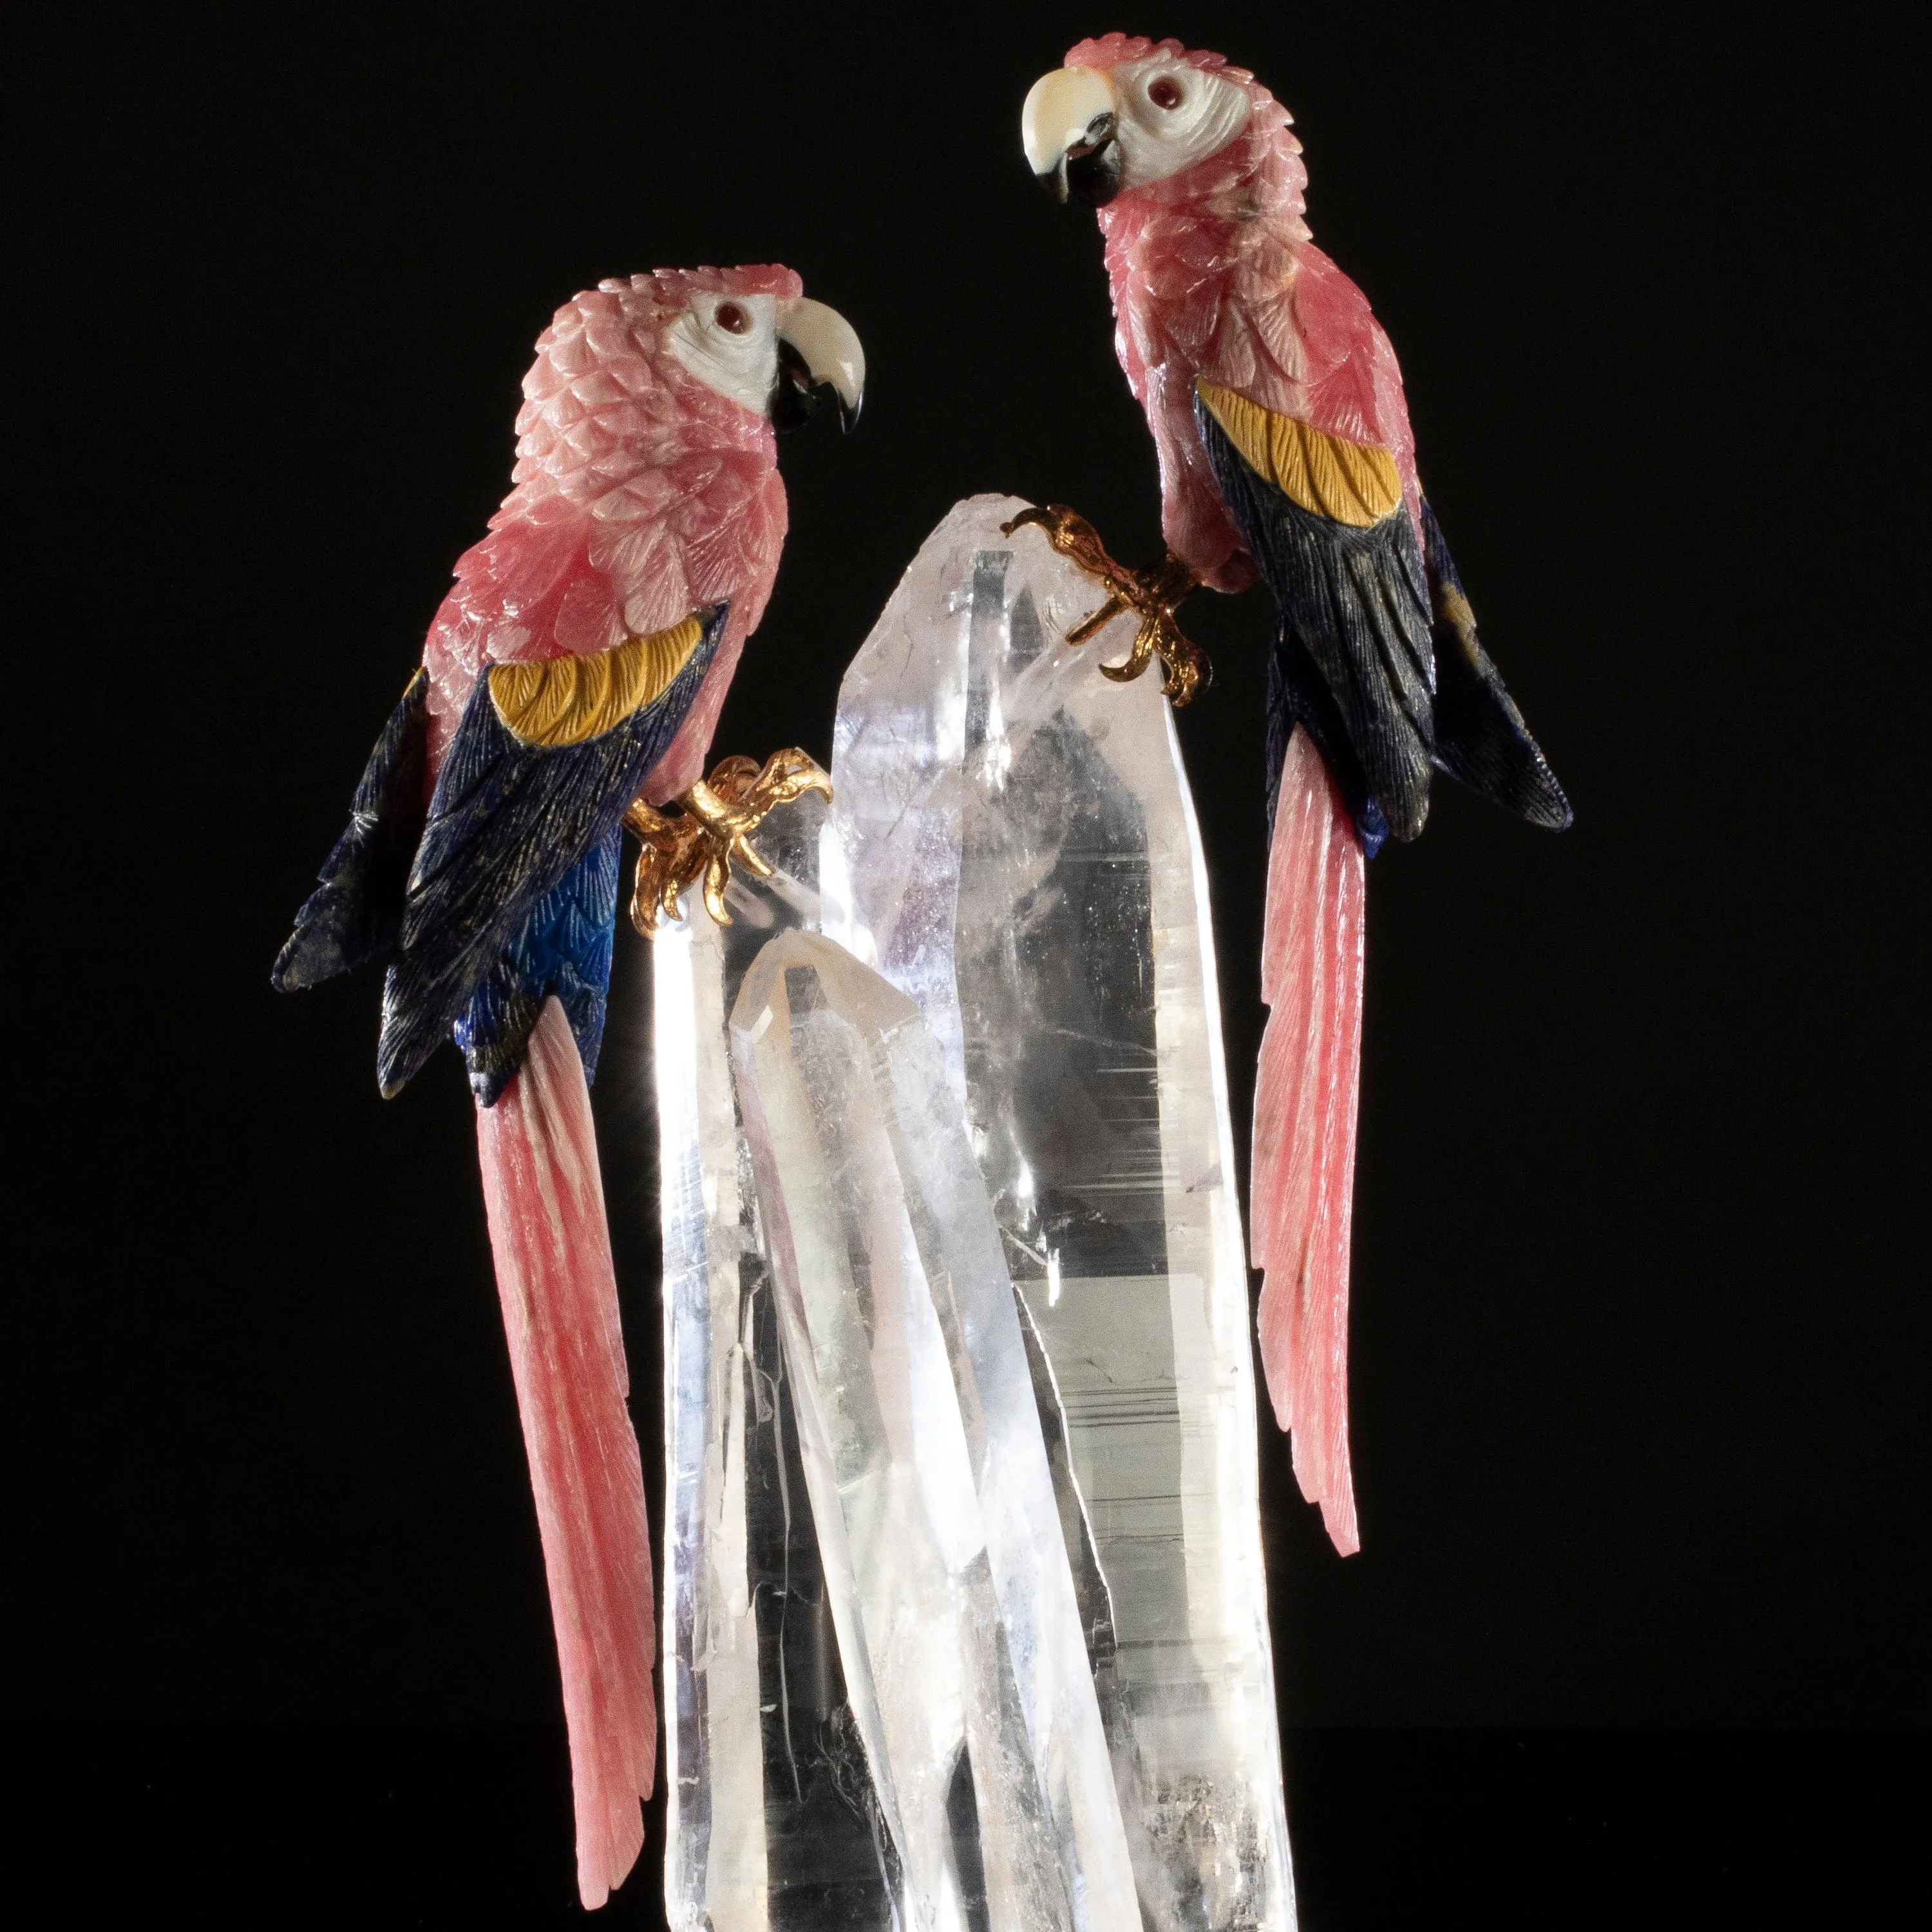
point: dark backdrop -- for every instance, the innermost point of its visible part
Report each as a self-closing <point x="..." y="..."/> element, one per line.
<point x="1639" y="1337"/>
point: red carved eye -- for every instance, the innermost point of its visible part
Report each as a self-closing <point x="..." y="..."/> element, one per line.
<point x="732" y="318"/>
<point x="1164" y="92"/>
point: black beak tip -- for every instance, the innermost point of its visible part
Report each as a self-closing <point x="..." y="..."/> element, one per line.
<point x="848" y="413"/>
<point x="1054" y="181"/>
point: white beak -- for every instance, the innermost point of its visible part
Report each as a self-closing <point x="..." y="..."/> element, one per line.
<point x="1060" y="107"/>
<point x="831" y="349"/>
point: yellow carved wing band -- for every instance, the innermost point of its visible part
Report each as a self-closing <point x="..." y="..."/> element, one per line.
<point x="566" y="701"/>
<point x="1353" y="482"/>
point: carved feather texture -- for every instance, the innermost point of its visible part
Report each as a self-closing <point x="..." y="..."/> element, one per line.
<point x="1214" y="276"/>
<point x="1480" y="737"/>
<point x="507" y="823"/>
<point x="1353" y="663"/>
<point x="1305" y="1109"/>
<point x="564" y="701"/>
<point x="355" y="916"/>
<point x="639" y="496"/>
<point x="1354" y="483"/>
<point x="1276" y="404"/>
<point x="544" y="1194"/>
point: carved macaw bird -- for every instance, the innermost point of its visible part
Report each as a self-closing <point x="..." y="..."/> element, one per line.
<point x="573" y="676"/>
<point x="1285" y="454"/>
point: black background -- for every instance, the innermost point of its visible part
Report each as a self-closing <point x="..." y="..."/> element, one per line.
<point x="1640" y="1333"/>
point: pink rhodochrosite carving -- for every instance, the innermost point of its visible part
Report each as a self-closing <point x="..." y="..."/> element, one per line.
<point x="577" y="664"/>
<point x="544" y="1194"/>
<point x="1304" y="1146"/>
<point x="1214" y="274"/>
<point x="1275" y="405"/>
<point x="640" y="494"/>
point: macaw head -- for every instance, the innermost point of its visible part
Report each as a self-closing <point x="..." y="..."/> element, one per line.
<point x="1125" y="117"/>
<point x="751" y="336"/>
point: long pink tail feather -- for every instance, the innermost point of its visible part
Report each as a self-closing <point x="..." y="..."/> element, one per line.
<point x="545" y="1199"/>
<point x="1304" y="1146"/>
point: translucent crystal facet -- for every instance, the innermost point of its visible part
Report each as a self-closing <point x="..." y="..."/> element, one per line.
<point x="965" y="1621"/>
<point x="772" y="1822"/>
<point x="965" y="1658"/>
<point x="1013" y="843"/>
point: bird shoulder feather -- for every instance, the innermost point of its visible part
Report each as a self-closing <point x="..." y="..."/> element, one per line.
<point x="1354" y="483"/>
<point x="570" y="700"/>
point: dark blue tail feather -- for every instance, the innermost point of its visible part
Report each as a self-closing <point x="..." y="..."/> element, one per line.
<point x="563" y="947"/>
<point x="496" y="906"/>
<point x="355" y="917"/>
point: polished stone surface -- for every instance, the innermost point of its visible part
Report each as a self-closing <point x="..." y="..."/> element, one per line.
<point x="965" y="1616"/>
<point x="1013" y="843"/>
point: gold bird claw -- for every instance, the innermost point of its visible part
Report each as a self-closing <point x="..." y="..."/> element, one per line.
<point x="1153" y="594"/>
<point x="698" y="844"/>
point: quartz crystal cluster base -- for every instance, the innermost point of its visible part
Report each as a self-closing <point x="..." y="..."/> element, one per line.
<point x="965" y="1614"/>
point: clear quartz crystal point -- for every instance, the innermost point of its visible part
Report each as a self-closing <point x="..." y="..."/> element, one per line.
<point x="965" y="1623"/>
<point x="965" y="1657"/>
<point x="1013" y="845"/>
<point x="880" y="1710"/>
<point x="771" y="1823"/>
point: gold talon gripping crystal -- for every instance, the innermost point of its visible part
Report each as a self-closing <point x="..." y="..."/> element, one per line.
<point x="1153" y="594"/>
<point x="699" y="843"/>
